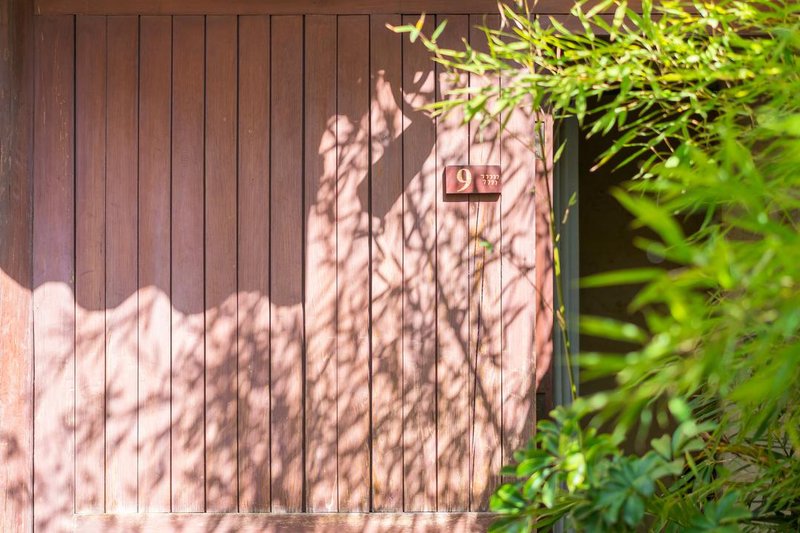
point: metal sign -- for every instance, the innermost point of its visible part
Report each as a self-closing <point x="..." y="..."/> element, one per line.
<point x="473" y="179"/>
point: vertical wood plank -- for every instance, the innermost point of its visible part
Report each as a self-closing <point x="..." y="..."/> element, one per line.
<point x="452" y="245"/>
<point x="121" y="261"/>
<point x="485" y="305"/>
<point x="154" y="263"/>
<point x="352" y="252"/>
<point x="53" y="273"/>
<point x="419" y="278"/>
<point x="220" y="261"/>
<point x="519" y="290"/>
<point x="253" y="312"/>
<point x="320" y="281"/>
<point x="90" y="325"/>
<point x="16" y="209"/>
<point x="188" y="345"/>
<point x="386" y="119"/>
<point x="286" y="260"/>
<point x="543" y="332"/>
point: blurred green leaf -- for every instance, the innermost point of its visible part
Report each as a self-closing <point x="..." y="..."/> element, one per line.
<point x="612" y="329"/>
<point x="438" y="31"/>
<point x="631" y="276"/>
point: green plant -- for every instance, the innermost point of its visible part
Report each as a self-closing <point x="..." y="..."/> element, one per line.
<point x="705" y="98"/>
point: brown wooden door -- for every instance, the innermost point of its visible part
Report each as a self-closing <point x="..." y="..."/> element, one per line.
<point x="251" y="293"/>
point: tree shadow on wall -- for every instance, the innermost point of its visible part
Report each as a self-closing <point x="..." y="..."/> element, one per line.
<point x="175" y="406"/>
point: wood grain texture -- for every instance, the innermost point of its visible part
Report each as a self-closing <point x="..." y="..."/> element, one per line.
<point x="518" y="218"/>
<point x="188" y="336"/>
<point x="453" y="253"/>
<point x="220" y="264"/>
<point x="419" y="278"/>
<point x="90" y="262"/>
<point x="294" y="219"/>
<point x="485" y="304"/>
<point x="53" y="274"/>
<point x="352" y="251"/>
<point x="320" y="245"/>
<point x="254" y="212"/>
<point x="485" y="312"/>
<point x="286" y="239"/>
<point x="386" y="125"/>
<point x="121" y="261"/>
<point x="154" y="263"/>
<point x="16" y="210"/>
<point x="288" y="523"/>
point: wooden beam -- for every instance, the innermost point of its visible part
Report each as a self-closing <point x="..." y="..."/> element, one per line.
<point x="274" y="523"/>
<point x="53" y="277"/>
<point x="261" y="7"/>
<point x="287" y="334"/>
<point x="16" y="122"/>
<point x="543" y="270"/>
<point x="286" y="7"/>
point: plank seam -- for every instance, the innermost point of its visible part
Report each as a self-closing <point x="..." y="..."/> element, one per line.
<point x="336" y="270"/>
<point x="403" y="121"/>
<point x="138" y="240"/>
<point x="436" y="346"/>
<point x="369" y="246"/>
<point x="238" y="355"/>
<point x="171" y="133"/>
<point x="74" y="258"/>
<point x="500" y="325"/>
<point x="269" y="262"/>
<point x="205" y="270"/>
<point x="105" y="281"/>
<point x="303" y="228"/>
<point x="32" y="26"/>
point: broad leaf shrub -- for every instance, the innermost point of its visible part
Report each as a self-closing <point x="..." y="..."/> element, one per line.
<point x="705" y="98"/>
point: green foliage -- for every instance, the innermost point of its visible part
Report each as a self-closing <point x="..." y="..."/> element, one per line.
<point x="705" y="98"/>
<point x="571" y="470"/>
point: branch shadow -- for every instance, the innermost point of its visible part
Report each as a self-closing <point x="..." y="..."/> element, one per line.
<point x="188" y="432"/>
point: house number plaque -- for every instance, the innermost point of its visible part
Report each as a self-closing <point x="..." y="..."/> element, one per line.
<point x="472" y="179"/>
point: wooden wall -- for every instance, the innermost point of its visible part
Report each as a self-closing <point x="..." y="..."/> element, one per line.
<point x="250" y="292"/>
<point x="16" y="339"/>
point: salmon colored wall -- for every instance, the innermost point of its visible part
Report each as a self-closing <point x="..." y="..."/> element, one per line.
<point x="250" y="293"/>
